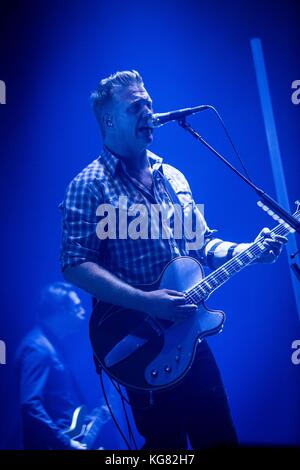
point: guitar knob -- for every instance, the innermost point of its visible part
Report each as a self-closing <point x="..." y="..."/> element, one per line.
<point x="168" y="368"/>
<point x="154" y="373"/>
<point x="179" y="347"/>
<point x="177" y="358"/>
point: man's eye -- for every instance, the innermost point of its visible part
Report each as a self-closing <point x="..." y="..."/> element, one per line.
<point x="134" y="107"/>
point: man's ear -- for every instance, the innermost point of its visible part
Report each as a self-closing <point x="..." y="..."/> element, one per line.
<point x="107" y="120"/>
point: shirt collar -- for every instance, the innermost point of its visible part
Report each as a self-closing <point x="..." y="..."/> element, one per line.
<point x="111" y="161"/>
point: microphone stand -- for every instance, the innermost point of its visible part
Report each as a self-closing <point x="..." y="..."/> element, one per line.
<point x="264" y="197"/>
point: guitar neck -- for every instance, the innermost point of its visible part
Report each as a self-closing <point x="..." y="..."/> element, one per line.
<point x="221" y="275"/>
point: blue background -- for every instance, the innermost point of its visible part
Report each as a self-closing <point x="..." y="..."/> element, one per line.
<point x="189" y="53"/>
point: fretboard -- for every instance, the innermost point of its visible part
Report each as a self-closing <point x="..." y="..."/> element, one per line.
<point x="203" y="289"/>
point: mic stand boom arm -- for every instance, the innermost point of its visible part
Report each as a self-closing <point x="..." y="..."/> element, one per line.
<point x="265" y="198"/>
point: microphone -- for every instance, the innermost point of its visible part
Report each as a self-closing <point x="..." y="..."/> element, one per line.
<point x="159" y="119"/>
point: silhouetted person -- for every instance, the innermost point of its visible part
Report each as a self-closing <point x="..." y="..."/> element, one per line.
<point x="47" y="394"/>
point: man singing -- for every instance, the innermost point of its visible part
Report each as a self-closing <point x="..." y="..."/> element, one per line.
<point x="110" y="267"/>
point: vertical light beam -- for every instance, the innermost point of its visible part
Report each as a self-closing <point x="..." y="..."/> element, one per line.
<point x="274" y="149"/>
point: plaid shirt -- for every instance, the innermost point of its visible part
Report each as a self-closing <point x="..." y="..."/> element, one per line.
<point x="136" y="261"/>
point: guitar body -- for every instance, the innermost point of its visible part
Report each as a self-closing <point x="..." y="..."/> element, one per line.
<point x="86" y="428"/>
<point x="78" y="424"/>
<point x="145" y="353"/>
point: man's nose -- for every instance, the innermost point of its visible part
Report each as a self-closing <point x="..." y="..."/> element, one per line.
<point x="147" y="107"/>
<point x="148" y="118"/>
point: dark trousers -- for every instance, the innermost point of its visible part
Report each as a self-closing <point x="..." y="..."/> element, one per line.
<point x="196" y="408"/>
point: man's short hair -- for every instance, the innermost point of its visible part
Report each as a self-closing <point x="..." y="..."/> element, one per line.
<point x="107" y="87"/>
<point x="52" y="298"/>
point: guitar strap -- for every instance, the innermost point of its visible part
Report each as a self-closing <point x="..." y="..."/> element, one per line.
<point x="177" y="208"/>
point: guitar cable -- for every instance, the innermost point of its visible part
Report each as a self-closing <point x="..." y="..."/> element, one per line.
<point x="111" y="412"/>
<point x="127" y="401"/>
<point x="129" y="427"/>
<point x="124" y="400"/>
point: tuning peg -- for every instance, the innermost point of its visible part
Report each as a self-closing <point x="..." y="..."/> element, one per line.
<point x="265" y="208"/>
<point x="273" y="215"/>
<point x="262" y="205"/>
<point x="276" y="217"/>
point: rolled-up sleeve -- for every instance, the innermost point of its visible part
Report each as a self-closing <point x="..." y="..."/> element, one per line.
<point x="79" y="221"/>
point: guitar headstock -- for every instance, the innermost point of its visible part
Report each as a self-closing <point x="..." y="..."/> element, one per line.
<point x="276" y="217"/>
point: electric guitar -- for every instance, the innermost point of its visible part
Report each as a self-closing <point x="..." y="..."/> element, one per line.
<point x="86" y="428"/>
<point x="146" y="353"/>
